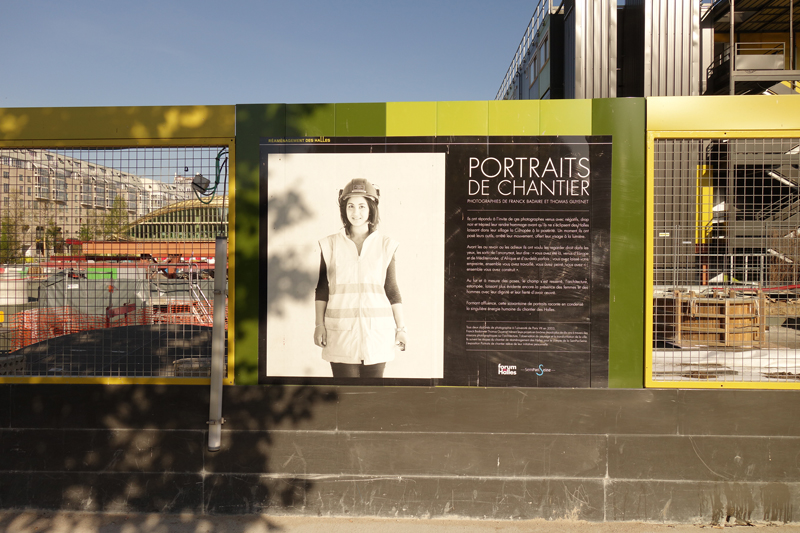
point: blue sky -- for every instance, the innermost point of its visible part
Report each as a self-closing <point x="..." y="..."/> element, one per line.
<point x="144" y="52"/>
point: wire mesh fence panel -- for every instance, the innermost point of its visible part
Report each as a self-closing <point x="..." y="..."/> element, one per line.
<point x="726" y="248"/>
<point x="107" y="260"/>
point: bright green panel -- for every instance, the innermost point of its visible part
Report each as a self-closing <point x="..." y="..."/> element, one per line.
<point x="462" y="118"/>
<point x="310" y="120"/>
<point x="514" y="117"/>
<point x="411" y="119"/>
<point x="565" y="117"/>
<point x="101" y="273"/>
<point x="624" y="120"/>
<point x="252" y="123"/>
<point x="361" y="120"/>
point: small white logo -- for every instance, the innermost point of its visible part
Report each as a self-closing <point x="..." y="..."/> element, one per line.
<point x="507" y="370"/>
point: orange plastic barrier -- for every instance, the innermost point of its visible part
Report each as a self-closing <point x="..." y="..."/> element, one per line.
<point x="37" y="325"/>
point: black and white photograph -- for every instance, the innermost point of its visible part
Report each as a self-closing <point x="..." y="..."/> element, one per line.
<point x="355" y="253"/>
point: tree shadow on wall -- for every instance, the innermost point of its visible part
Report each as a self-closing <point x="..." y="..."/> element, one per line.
<point x="143" y="449"/>
<point x="258" y="469"/>
<point x="285" y="281"/>
<point x="31" y="521"/>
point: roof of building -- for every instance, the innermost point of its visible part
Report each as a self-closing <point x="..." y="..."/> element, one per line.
<point x="214" y="203"/>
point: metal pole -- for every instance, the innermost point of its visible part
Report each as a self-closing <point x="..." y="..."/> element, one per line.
<point x="732" y="53"/>
<point x="215" y="419"/>
<point x="791" y="34"/>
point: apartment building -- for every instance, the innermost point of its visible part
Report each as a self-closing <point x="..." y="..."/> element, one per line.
<point x="76" y="191"/>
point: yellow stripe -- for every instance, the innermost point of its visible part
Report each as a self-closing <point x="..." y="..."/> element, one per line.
<point x="648" y="297"/>
<point x="106" y="380"/>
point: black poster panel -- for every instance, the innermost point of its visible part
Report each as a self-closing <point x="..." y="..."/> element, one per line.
<point x="527" y="261"/>
<point x="502" y="260"/>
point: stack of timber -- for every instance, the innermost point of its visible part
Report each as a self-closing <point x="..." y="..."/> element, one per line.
<point x="782" y="306"/>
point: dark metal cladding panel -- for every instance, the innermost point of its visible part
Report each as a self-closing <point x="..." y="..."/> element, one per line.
<point x="103" y="492"/>
<point x="711" y="502"/>
<point x="102" y="450"/>
<point x="595" y="455"/>
<point x="407" y="497"/>
<point x="693" y="458"/>
<point x="630" y="49"/>
<point x="570" y="59"/>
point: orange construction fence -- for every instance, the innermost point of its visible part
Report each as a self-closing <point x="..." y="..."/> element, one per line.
<point x="37" y="325"/>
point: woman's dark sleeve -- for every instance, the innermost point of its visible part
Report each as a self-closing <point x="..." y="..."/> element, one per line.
<point x="323" y="290"/>
<point x="391" y="288"/>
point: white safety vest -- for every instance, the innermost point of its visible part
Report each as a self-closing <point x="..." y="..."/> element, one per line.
<point x="358" y="317"/>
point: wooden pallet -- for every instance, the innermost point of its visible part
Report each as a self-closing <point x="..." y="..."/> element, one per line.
<point x="725" y="320"/>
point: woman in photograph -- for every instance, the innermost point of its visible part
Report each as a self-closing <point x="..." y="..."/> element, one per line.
<point x="359" y="312"/>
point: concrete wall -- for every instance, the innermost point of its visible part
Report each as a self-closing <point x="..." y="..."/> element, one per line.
<point x="597" y="455"/>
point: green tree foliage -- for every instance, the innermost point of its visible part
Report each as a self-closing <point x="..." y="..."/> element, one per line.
<point x="86" y="232"/>
<point x="9" y="241"/>
<point x="54" y="238"/>
<point x="116" y="219"/>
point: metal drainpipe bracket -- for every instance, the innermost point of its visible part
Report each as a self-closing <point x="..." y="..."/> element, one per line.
<point x="214" y="422"/>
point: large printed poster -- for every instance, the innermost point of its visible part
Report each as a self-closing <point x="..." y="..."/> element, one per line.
<point x="488" y="265"/>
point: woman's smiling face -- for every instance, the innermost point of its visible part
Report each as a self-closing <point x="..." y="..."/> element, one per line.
<point x="357" y="211"/>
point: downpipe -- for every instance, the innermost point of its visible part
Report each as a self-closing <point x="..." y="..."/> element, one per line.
<point x="215" y="419"/>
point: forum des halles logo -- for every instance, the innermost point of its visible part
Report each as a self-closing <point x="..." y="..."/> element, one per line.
<point x="511" y="370"/>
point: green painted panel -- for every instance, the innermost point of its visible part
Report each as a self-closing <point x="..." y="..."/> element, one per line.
<point x="624" y="120"/>
<point x="565" y="117"/>
<point x="252" y="123"/>
<point x="462" y="118"/>
<point x="101" y="273"/>
<point x="267" y="120"/>
<point x="411" y="119"/>
<point x="514" y="117"/>
<point x="310" y="120"/>
<point x="361" y="120"/>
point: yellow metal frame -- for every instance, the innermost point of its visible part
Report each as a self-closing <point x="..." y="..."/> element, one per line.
<point x="131" y="127"/>
<point x="705" y="204"/>
<point x="652" y="136"/>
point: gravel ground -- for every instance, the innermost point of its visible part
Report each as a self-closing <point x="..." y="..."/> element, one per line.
<point x="68" y="522"/>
